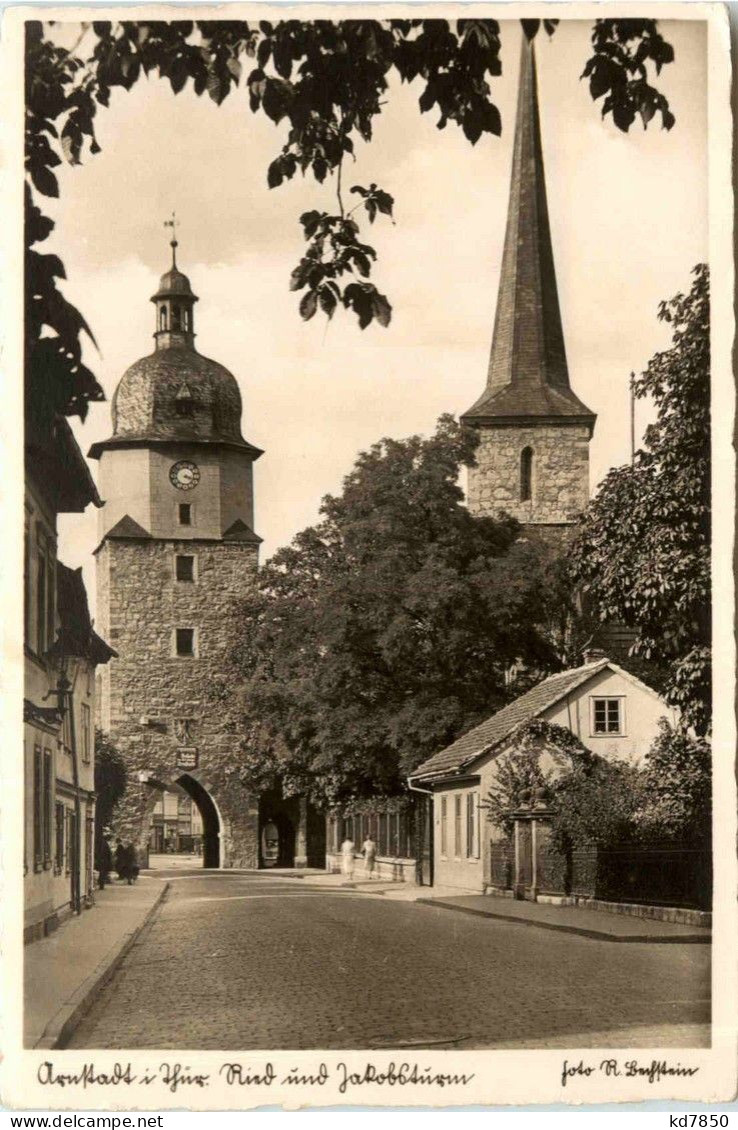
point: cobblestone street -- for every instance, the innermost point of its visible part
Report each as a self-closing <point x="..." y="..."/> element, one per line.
<point x="252" y="961"/>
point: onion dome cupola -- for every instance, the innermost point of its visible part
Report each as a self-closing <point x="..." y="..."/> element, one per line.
<point x="175" y="393"/>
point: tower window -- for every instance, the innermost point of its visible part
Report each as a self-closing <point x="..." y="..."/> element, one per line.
<point x="526" y="474"/>
<point x="163" y="318"/>
<point x="184" y="567"/>
<point x="185" y="513"/>
<point x="185" y="641"/>
<point x="176" y="323"/>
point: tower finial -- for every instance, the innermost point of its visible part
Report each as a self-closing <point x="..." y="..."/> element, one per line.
<point x="173" y="242"/>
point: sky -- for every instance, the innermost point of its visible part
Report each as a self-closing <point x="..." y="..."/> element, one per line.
<point x="628" y="216"/>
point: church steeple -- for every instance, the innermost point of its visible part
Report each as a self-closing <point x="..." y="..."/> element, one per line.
<point x="528" y="374"/>
<point x="532" y="460"/>
<point x="175" y="302"/>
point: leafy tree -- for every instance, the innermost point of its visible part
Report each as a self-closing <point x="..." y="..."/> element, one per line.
<point x="677" y="787"/>
<point x="643" y="548"/>
<point x="328" y="81"/>
<point x="385" y="631"/>
<point x="110" y="779"/>
<point x="596" y="803"/>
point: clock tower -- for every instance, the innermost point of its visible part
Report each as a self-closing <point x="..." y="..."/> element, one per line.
<point x="177" y="555"/>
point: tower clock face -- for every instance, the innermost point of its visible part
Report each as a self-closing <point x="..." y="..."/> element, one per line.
<point x="184" y="475"/>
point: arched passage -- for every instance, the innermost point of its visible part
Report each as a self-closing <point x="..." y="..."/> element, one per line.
<point x="211" y="829"/>
<point x="278" y="823"/>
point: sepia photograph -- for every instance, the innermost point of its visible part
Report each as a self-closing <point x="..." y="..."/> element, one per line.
<point x="377" y="695"/>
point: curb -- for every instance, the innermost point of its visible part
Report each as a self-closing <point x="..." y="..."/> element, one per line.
<point x="598" y="935"/>
<point x="67" y="1018"/>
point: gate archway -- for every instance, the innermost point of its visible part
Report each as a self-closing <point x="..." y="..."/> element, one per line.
<point x="211" y="822"/>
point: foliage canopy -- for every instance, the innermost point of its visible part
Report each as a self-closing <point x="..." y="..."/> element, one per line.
<point x="327" y="81"/>
<point x="643" y="547"/>
<point x="380" y="634"/>
<point x="111" y="778"/>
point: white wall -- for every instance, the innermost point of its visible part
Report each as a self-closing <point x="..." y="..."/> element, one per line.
<point x="457" y="861"/>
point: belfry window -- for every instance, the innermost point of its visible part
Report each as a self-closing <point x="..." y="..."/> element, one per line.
<point x="163" y="318"/>
<point x="526" y="474"/>
<point x="176" y="318"/>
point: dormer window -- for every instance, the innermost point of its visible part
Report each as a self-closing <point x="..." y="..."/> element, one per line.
<point x="184" y="402"/>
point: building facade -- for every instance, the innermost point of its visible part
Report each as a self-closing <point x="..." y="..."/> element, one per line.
<point x="61" y="653"/>
<point x="612" y="713"/>
<point x="177" y="555"/>
<point x="176" y="825"/>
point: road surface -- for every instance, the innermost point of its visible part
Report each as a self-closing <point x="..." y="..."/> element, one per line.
<point x="247" y="961"/>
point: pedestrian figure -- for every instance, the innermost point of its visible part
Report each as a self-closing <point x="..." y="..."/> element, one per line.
<point x="120" y="858"/>
<point x="347" y="858"/>
<point x="130" y="863"/>
<point x="369" y="848"/>
<point x="104" y="861"/>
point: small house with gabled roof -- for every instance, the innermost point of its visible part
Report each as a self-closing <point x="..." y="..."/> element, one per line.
<point x="612" y="713"/>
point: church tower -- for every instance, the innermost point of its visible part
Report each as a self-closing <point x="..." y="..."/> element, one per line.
<point x="177" y="554"/>
<point x="533" y="455"/>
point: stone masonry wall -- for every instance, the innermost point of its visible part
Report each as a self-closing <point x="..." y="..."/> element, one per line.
<point x="560" y="472"/>
<point x="148" y="688"/>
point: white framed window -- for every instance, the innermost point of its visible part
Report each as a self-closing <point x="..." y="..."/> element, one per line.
<point x="444" y="826"/>
<point x="607" y="715"/>
<point x="457" y="826"/>
<point x="38" y="808"/>
<point x="472" y="826"/>
<point x="60" y="828"/>
<point x="48" y="806"/>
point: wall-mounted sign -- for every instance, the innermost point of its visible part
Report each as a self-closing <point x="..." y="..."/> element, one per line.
<point x="187" y="758"/>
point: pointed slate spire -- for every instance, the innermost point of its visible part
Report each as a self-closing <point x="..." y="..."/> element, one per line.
<point x="528" y="375"/>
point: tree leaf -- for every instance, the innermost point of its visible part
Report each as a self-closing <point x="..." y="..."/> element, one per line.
<point x="44" y="180"/>
<point x="274" y="173"/>
<point x="308" y="305"/>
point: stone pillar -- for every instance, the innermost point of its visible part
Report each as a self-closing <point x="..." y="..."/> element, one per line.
<point x="301" y="835"/>
<point x="534" y="859"/>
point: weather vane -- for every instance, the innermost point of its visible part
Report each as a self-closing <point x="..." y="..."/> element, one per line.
<point x="173" y="242"/>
